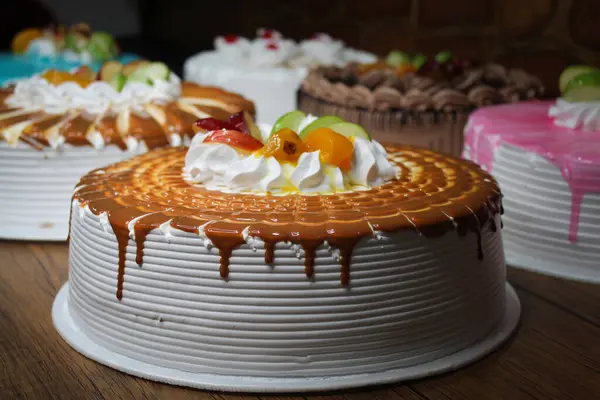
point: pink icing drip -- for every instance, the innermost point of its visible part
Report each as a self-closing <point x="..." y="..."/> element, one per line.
<point x="575" y="153"/>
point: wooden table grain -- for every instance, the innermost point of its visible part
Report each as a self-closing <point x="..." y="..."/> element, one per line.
<point x="554" y="355"/>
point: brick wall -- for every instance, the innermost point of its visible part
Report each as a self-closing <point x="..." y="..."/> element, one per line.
<point x="541" y="36"/>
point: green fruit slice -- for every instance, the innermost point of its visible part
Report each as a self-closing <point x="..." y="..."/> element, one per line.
<point x="118" y="81"/>
<point x="583" y="94"/>
<point x="150" y="72"/>
<point x="101" y="46"/>
<point x="397" y="57"/>
<point x="75" y="41"/>
<point x="291" y="120"/>
<point x="109" y="70"/>
<point x="349" y="130"/>
<point x="585" y="79"/>
<point x="571" y="73"/>
<point x="322" y="122"/>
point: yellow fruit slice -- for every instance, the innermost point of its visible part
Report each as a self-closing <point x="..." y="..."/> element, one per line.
<point x="22" y="39"/>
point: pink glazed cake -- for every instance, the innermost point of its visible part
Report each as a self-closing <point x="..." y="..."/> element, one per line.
<point x="546" y="157"/>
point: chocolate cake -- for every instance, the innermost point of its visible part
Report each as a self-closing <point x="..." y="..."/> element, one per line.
<point x="423" y="109"/>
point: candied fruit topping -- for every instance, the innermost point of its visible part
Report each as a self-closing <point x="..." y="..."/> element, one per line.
<point x="335" y="149"/>
<point x="285" y="145"/>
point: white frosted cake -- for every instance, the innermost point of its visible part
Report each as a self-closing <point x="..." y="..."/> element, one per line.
<point x="58" y="126"/>
<point x="267" y="261"/>
<point x="546" y="157"/>
<point x="269" y="69"/>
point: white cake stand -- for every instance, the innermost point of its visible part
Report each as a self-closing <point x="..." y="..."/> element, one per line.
<point x="80" y="342"/>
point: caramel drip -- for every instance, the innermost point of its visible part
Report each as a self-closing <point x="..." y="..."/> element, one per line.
<point x="345" y="247"/>
<point x="107" y="127"/>
<point x="153" y="132"/>
<point x="270" y="252"/>
<point x="75" y="130"/>
<point x="434" y="195"/>
<point x="310" y="251"/>
<point x="225" y="239"/>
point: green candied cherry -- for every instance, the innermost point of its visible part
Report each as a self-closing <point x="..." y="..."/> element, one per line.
<point x="443" y="57"/>
<point x="419" y="60"/>
<point x="290" y="120"/>
<point x="397" y="57"/>
<point x="572" y="72"/>
<point x="321" y="122"/>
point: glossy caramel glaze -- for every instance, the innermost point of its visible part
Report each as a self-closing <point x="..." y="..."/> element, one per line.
<point x="154" y="125"/>
<point x="433" y="195"/>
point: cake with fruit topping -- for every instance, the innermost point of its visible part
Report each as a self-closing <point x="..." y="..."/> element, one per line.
<point x="546" y="156"/>
<point x="413" y="100"/>
<point x="34" y="50"/>
<point x="56" y="126"/>
<point x="269" y="69"/>
<point x="268" y="257"/>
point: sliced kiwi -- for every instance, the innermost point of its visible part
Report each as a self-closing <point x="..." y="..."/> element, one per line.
<point x="321" y="122"/>
<point x="148" y="73"/>
<point x="291" y="120"/>
<point x="349" y="130"/>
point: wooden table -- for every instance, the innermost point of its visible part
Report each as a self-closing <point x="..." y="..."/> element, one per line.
<point x="554" y="355"/>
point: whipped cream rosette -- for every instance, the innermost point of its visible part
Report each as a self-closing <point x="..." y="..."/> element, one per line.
<point x="56" y="126"/>
<point x="301" y="154"/>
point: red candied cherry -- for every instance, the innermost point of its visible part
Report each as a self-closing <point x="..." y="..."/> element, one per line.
<point x="267" y="34"/>
<point x="234" y="138"/>
<point x="230" y="38"/>
<point x="272" y="46"/>
<point x="212" y="124"/>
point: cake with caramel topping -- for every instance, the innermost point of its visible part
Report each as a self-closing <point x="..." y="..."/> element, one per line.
<point x="303" y="252"/>
<point x="57" y="126"/>
<point x="420" y="103"/>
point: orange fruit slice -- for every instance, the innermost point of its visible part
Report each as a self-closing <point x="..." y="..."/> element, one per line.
<point x="335" y="149"/>
<point x="22" y="39"/>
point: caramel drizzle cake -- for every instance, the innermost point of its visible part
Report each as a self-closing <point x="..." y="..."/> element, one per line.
<point x="57" y="126"/>
<point x="430" y="193"/>
<point x="61" y="108"/>
<point x="306" y="251"/>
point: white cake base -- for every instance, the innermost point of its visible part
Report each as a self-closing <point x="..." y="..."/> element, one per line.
<point x="36" y="187"/>
<point x="71" y="333"/>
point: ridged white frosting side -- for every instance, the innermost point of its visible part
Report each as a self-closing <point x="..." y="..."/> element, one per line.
<point x="537" y="204"/>
<point x="36" y="187"/>
<point x="273" y="90"/>
<point x="411" y="299"/>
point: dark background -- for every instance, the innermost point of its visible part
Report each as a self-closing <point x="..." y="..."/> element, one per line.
<point x="542" y="36"/>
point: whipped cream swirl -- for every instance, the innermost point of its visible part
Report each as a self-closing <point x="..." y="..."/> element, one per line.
<point x="584" y="115"/>
<point x="36" y="93"/>
<point x="218" y="166"/>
